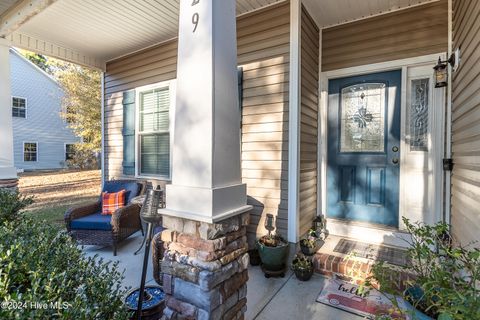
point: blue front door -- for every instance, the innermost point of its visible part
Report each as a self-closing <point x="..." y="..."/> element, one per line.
<point x="363" y="160"/>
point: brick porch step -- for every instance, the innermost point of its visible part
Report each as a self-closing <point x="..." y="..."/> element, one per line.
<point x="330" y="265"/>
<point x="354" y="269"/>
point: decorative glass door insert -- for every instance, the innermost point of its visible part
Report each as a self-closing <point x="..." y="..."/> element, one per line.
<point x="418" y="115"/>
<point x="362" y="125"/>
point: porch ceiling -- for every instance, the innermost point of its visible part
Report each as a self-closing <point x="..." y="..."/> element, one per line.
<point x="333" y="12"/>
<point x="5" y="4"/>
<point x="92" y="32"/>
<point x="95" y="31"/>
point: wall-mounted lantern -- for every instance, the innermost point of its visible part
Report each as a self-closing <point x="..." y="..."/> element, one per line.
<point x="441" y="70"/>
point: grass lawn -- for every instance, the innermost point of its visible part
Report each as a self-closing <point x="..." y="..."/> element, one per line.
<point x="55" y="191"/>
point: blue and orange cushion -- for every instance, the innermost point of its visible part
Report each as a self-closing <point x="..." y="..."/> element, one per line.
<point x="112" y="201"/>
<point x="99" y="221"/>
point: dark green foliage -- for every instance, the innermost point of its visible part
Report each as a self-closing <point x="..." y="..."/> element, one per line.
<point x="301" y="263"/>
<point x="446" y="284"/>
<point x="39" y="60"/>
<point x="11" y="204"/>
<point x="40" y="266"/>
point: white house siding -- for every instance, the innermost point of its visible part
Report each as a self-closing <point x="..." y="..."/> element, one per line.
<point x="466" y="123"/>
<point x="43" y="123"/>
<point x="263" y="53"/>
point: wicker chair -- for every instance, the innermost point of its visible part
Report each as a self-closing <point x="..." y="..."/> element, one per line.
<point x="88" y="226"/>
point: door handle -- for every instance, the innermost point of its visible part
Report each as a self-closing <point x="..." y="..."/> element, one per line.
<point x="395" y="149"/>
<point x="395" y="160"/>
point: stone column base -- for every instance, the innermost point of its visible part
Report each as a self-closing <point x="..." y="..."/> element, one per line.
<point x="9" y="184"/>
<point x="204" y="268"/>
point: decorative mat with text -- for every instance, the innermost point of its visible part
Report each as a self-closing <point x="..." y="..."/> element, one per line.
<point x="346" y="296"/>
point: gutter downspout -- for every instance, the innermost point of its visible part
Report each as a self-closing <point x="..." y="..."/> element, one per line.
<point x="448" y="129"/>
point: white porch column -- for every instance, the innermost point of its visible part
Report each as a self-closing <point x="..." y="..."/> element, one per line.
<point x="8" y="174"/>
<point x="204" y="266"/>
<point x="206" y="175"/>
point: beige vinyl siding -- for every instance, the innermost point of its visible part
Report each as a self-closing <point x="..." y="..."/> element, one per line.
<point x="466" y="123"/>
<point x="263" y="53"/>
<point x="308" y="121"/>
<point x="402" y="34"/>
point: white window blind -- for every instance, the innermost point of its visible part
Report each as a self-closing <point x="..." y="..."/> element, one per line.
<point x="154" y="135"/>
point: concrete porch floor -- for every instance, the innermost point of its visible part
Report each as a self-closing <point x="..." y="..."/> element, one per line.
<point x="273" y="298"/>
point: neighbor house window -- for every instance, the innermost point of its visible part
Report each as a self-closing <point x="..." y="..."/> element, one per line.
<point x="30" y="150"/>
<point x="154" y="131"/>
<point x="69" y="151"/>
<point x="19" y="107"/>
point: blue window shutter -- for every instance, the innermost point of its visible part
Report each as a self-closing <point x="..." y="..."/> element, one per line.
<point x="128" y="132"/>
<point x="240" y="86"/>
<point x="240" y="95"/>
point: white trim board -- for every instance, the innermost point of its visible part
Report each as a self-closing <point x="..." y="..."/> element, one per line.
<point x="294" y="122"/>
<point x="366" y="233"/>
<point x="102" y="108"/>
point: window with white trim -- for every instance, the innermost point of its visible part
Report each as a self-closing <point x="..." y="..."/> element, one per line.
<point x="153" y="134"/>
<point x="19" y="107"/>
<point x="69" y="151"/>
<point x="30" y="151"/>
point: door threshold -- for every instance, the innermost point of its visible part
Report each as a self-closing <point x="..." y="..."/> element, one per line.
<point x="366" y="225"/>
<point x="368" y="232"/>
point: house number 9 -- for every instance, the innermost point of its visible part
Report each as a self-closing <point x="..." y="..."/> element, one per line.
<point x="195" y="21"/>
<point x="195" y="16"/>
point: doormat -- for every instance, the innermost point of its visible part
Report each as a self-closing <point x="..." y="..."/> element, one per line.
<point x="391" y="255"/>
<point x="345" y="296"/>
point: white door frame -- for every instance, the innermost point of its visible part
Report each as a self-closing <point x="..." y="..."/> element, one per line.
<point x="355" y="230"/>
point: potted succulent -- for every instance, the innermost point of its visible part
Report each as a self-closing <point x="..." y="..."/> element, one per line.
<point x="303" y="268"/>
<point x="309" y="245"/>
<point x="273" y="251"/>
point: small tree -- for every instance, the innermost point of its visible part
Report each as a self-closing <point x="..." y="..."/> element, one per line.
<point x="82" y="104"/>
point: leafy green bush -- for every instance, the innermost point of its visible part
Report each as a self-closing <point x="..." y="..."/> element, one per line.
<point x="12" y="203"/>
<point x="44" y="275"/>
<point x="446" y="276"/>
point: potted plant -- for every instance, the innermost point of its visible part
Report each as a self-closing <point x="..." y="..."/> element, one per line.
<point x="309" y="245"/>
<point x="273" y="251"/>
<point x="303" y="268"/>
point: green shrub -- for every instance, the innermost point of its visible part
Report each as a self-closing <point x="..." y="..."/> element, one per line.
<point x="12" y="203"/>
<point x="44" y="275"/>
<point x="446" y="282"/>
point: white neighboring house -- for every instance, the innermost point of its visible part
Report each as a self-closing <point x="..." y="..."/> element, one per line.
<point x="42" y="139"/>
